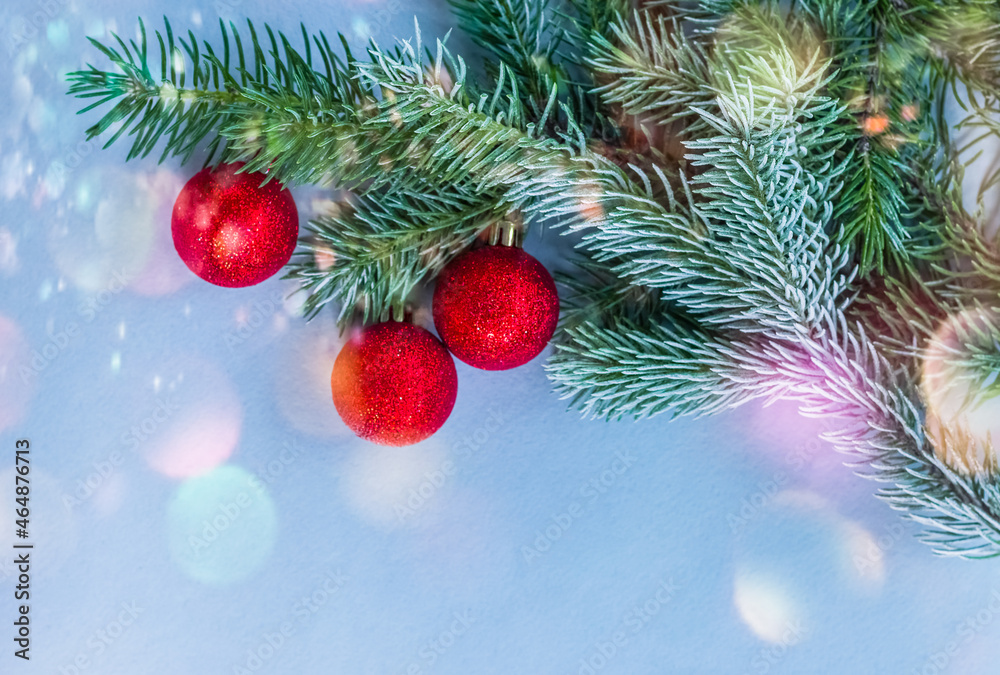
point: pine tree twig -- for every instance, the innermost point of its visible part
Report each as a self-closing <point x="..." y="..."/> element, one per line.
<point x="371" y="255"/>
<point x="165" y="109"/>
<point x="654" y="72"/>
<point x="642" y="371"/>
<point x="769" y="198"/>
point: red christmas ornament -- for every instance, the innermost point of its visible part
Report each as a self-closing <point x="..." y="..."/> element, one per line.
<point x="232" y="231"/>
<point x="495" y="307"/>
<point x="394" y="383"/>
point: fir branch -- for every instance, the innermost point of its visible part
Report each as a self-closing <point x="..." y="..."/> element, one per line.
<point x="846" y="377"/>
<point x="530" y="37"/>
<point x="976" y="269"/>
<point x="593" y="294"/>
<point x="965" y="352"/>
<point x="544" y="179"/>
<point x="150" y="107"/>
<point x="538" y="177"/>
<point x="372" y="254"/>
<point x="765" y="208"/>
<point x="900" y="314"/>
<point x="651" y="69"/>
<point x="879" y="50"/>
<point x="592" y="18"/>
<point x="521" y="35"/>
<point x="966" y="39"/>
<point x="723" y="281"/>
<point x="644" y="370"/>
<point x="164" y="109"/>
<point x="872" y="209"/>
<point x="297" y="141"/>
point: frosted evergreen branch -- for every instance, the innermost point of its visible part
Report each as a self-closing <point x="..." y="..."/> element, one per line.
<point x="196" y="91"/>
<point x="764" y="206"/>
<point x="642" y="371"/>
<point x="545" y="179"/>
<point x="761" y="158"/>
<point x="880" y="51"/>
<point x="369" y="256"/>
<point x="938" y="485"/>
<point x="493" y="148"/>
<point x="652" y="70"/>
<point x="522" y="35"/>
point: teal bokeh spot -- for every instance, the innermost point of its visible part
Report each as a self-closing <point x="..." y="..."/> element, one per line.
<point x="58" y="33"/>
<point x="221" y="526"/>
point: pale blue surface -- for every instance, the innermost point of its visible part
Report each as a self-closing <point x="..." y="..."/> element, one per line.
<point x="207" y="368"/>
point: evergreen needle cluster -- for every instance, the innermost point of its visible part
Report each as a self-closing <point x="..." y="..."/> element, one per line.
<point x="768" y="199"/>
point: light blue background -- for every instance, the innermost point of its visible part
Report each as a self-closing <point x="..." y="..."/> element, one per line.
<point x="745" y="545"/>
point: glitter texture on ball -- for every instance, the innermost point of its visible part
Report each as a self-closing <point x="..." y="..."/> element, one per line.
<point x="232" y="231"/>
<point x="495" y="307"/>
<point x="394" y="384"/>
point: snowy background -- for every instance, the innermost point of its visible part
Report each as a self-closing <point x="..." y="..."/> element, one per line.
<point x="198" y="507"/>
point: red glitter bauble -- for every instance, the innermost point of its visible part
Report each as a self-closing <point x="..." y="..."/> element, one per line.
<point x="394" y="383"/>
<point x="232" y="231"/>
<point x="495" y="307"/>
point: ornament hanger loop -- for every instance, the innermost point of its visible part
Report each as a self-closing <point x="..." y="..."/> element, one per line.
<point x="506" y="233"/>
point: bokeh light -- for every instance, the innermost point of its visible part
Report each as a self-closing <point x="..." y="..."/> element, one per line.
<point x="103" y="232"/>
<point x="381" y="482"/>
<point x="963" y="416"/>
<point x="164" y="271"/>
<point x="765" y="606"/>
<point x="744" y="45"/>
<point x="17" y="382"/>
<point x="52" y="527"/>
<point x="116" y="225"/>
<point x="302" y="379"/>
<point x="110" y="494"/>
<point x="9" y="262"/>
<point x="867" y="551"/>
<point x="221" y="526"/>
<point x="781" y="591"/>
<point x="196" y="424"/>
